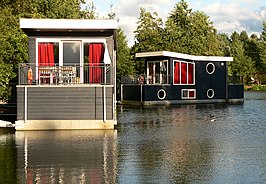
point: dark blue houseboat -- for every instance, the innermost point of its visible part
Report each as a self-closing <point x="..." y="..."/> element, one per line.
<point x="175" y="78"/>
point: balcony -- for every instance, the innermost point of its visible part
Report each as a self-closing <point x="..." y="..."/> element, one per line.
<point x="30" y="74"/>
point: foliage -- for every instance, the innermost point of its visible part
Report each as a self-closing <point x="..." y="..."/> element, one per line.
<point x="191" y="32"/>
<point x="242" y="64"/>
<point x="149" y="32"/>
<point x="124" y="63"/>
<point x="257" y="88"/>
<point x="124" y="66"/>
<point x="14" y="44"/>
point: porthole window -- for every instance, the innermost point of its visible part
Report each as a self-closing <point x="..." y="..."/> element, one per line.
<point x="210" y="93"/>
<point x="161" y="94"/>
<point x="210" y="68"/>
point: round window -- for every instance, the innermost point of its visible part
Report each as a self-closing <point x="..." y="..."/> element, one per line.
<point x="161" y="94"/>
<point x="210" y="68"/>
<point x="210" y="93"/>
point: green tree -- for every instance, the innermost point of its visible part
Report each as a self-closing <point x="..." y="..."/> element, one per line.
<point x="242" y="64"/>
<point x="149" y="32"/>
<point x="125" y="65"/>
<point x="262" y="51"/>
<point x="191" y="32"/>
<point x="124" y="62"/>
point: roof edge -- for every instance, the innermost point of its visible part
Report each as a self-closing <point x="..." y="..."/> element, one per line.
<point x="183" y="56"/>
<point x="74" y="24"/>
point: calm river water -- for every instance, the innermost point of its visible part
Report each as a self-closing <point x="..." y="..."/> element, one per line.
<point x="178" y="144"/>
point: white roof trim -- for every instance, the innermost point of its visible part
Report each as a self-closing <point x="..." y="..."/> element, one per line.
<point x="68" y="24"/>
<point x="184" y="56"/>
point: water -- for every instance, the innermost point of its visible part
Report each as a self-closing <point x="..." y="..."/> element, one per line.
<point x="181" y="144"/>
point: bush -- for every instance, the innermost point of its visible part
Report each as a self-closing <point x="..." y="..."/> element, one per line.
<point x="258" y="87"/>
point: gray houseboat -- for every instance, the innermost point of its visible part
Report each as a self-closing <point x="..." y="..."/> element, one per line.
<point x="175" y="78"/>
<point x="69" y="81"/>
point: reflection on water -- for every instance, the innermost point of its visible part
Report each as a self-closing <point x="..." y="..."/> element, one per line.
<point x="66" y="156"/>
<point x="211" y="143"/>
<point x="206" y="143"/>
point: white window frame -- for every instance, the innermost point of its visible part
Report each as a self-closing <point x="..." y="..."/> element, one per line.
<point x="61" y="40"/>
<point x="161" y="75"/>
<point x="180" y="61"/>
<point x="188" y="97"/>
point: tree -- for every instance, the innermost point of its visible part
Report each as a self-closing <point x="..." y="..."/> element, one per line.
<point x="191" y="32"/>
<point x="124" y="65"/>
<point x="242" y="64"/>
<point x="262" y="51"/>
<point x="124" y="62"/>
<point x="149" y="32"/>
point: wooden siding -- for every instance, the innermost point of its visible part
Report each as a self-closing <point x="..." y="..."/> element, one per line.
<point x="131" y="92"/>
<point x="65" y="103"/>
<point x="20" y="103"/>
<point x="236" y="91"/>
<point x="215" y="81"/>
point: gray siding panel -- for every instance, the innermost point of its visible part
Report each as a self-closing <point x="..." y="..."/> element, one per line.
<point x="20" y="103"/>
<point x="66" y="103"/>
<point x="32" y="49"/>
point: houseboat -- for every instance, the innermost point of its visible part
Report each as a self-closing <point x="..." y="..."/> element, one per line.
<point x="69" y="81"/>
<point x="176" y="78"/>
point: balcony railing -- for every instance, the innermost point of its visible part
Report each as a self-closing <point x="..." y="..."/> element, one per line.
<point x="30" y="74"/>
<point x="144" y="79"/>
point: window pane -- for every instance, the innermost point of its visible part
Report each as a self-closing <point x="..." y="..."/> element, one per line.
<point x="183" y="73"/>
<point x="157" y="73"/>
<point x="177" y="73"/>
<point x="71" y="53"/>
<point x="190" y="73"/>
<point x="191" y="94"/>
<point x="185" y="94"/>
<point x="164" y="72"/>
<point x="150" y="74"/>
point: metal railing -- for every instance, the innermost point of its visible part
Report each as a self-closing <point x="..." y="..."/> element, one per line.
<point x="144" y="79"/>
<point x="30" y="74"/>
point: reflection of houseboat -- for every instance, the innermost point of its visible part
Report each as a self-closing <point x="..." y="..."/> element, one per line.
<point x="84" y="156"/>
<point x="69" y="82"/>
<point x="174" y="78"/>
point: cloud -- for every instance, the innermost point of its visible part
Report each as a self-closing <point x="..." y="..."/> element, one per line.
<point x="236" y="16"/>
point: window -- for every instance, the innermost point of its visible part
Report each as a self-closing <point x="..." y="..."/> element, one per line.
<point x="188" y="93"/>
<point x="157" y="72"/>
<point x="210" y="93"/>
<point x="210" y="68"/>
<point x="184" y="73"/>
<point x="88" y="56"/>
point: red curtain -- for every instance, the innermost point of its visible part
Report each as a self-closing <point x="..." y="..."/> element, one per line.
<point x="177" y="73"/>
<point x="191" y="94"/>
<point x="45" y="54"/>
<point x="183" y="73"/>
<point x="190" y="73"/>
<point x="96" y="53"/>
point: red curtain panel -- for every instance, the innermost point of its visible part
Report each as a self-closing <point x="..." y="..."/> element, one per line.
<point x="96" y="53"/>
<point x="45" y="54"/>
<point x="183" y="73"/>
<point x="177" y="73"/>
<point x="190" y="74"/>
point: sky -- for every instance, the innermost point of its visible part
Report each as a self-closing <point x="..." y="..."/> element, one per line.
<point x="227" y="15"/>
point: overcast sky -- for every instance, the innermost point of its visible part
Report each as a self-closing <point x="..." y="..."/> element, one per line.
<point x="227" y="15"/>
